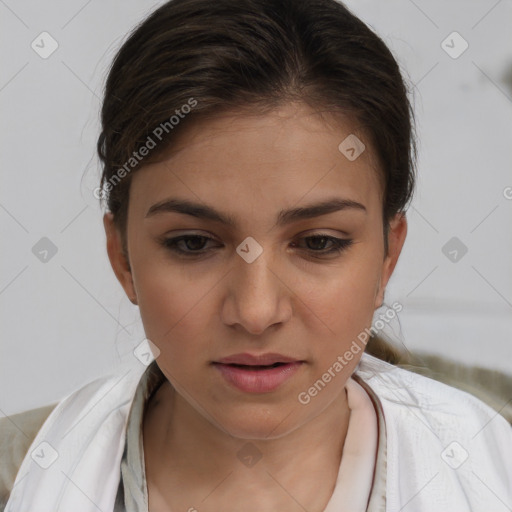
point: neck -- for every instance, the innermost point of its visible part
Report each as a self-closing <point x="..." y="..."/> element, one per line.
<point x="185" y="452"/>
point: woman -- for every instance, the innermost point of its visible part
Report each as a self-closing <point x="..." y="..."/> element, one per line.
<point x="257" y="165"/>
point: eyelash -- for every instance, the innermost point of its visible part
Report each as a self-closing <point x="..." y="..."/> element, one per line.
<point x="338" y="245"/>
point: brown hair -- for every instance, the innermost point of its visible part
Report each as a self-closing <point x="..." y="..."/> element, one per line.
<point x="232" y="55"/>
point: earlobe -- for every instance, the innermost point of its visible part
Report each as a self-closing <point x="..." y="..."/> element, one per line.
<point x="120" y="264"/>
<point x="396" y="238"/>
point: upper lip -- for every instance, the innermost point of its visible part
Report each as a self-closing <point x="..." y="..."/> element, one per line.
<point x="256" y="360"/>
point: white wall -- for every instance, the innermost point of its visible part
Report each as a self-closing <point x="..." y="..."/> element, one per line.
<point x="66" y="321"/>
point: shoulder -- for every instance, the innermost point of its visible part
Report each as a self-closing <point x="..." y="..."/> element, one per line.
<point x="17" y="432"/>
<point x="437" y="402"/>
<point x="437" y="429"/>
<point x="16" y="435"/>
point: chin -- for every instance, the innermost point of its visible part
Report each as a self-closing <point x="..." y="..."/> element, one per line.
<point x="261" y="425"/>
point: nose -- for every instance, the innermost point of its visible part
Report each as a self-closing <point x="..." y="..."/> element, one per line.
<point x="257" y="296"/>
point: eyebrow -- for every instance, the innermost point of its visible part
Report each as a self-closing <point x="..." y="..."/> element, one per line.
<point x="284" y="217"/>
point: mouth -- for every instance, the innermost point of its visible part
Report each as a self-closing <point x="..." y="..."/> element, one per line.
<point x="266" y="360"/>
<point x="257" y="374"/>
<point x="256" y="366"/>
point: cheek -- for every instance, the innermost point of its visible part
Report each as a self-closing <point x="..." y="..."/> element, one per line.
<point x="348" y="295"/>
<point x="171" y="305"/>
<point x="344" y="304"/>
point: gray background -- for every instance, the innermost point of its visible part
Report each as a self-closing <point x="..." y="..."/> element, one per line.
<point x="66" y="321"/>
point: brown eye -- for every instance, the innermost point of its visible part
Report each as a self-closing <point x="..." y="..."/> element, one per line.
<point x="318" y="244"/>
<point x="187" y="244"/>
<point x="195" y="245"/>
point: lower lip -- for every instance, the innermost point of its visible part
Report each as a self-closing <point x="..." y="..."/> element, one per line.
<point x="257" y="381"/>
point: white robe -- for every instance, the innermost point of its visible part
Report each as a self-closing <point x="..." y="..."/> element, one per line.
<point x="446" y="450"/>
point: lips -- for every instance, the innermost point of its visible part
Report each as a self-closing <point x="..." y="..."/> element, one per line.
<point x="246" y="359"/>
<point x="257" y="373"/>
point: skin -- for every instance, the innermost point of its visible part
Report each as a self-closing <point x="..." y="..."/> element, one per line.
<point x="288" y="301"/>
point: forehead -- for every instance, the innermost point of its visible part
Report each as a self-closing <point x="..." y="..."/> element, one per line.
<point x="262" y="162"/>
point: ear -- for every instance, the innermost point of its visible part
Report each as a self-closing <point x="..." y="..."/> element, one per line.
<point x="396" y="238"/>
<point x="119" y="263"/>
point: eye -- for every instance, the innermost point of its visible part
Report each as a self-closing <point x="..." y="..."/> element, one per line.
<point x="190" y="246"/>
<point x="320" y="240"/>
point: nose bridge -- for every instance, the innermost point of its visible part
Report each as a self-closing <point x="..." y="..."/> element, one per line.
<point x="255" y="281"/>
<point x="257" y="293"/>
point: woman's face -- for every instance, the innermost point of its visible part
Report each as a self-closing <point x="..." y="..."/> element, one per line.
<point x="269" y="281"/>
